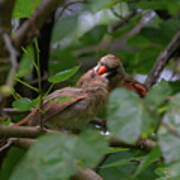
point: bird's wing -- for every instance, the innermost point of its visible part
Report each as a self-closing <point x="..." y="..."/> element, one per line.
<point x="136" y="86"/>
<point x="65" y="92"/>
<point x="52" y="108"/>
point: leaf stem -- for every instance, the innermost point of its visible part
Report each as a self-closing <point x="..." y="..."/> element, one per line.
<point x="27" y="85"/>
<point x="37" y="67"/>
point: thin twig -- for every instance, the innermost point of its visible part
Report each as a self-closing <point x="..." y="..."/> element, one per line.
<point x="126" y="19"/>
<point x="163" y="59"/>
<point x="27" y="85"/>
<point x="38" y="70"/>
<point x="30" y="28"/>
<point x="172" y="131"/>
<point x="11" y="110"/>
<point x="118" y="15"/>
<point x="146" y="144"/>
<point x="13" y="59"/>
<point x="68" y="5"/>
<point x="6" y="12"/>
<point x="103" y="160"/>
<point x="7" y="145"/>
<point x="23" y="143"/>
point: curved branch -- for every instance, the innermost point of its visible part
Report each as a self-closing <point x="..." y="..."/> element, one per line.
<point x="31" y="27"/>
<point x="33" y="132"/>
<point x="87" y="174"/>
<point x="146" y="144"/>
<point x="23" y="132"/>
<point x="163" y="60"/>
<point x="6" y="10"/>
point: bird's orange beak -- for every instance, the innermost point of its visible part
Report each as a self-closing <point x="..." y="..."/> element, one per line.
<point x="102" y="70"/>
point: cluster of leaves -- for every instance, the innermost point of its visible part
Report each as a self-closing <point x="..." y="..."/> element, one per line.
<point x="130" y="118"/>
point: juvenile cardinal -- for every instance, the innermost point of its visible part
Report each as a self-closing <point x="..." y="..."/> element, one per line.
<point x="73" y="114"/>
<point x="112" y="68"/>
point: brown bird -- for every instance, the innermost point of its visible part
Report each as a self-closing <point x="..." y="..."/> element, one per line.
<point x="112" y="68"/>
<point x="83" y="105"/>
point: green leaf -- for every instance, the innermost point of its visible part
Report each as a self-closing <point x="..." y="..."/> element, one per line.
<point x="63" y="76"/>
<point x="60" y="64"/>
<point x="168" y="134"/>
<point x="26" y="63"/>
<point x="94" y="36"/>
<point x="115" y="150"/>
<point x="134" y="61"/>
<point x="122" y="162"/>
<point x="91" y="147"/>
<point x="65" y="27"/>
<point x="58" y="156"/>
<point x="62" y="99"/>
<point x="25" y="8"/>
<point x="3" y="121"/>
<point x="158" y="94"/>
<point x="153" y="156"/>
<point x="147" y="55"/>
<point x="25" y="67"/>
<point x="23" y="104"/>
<point x="138" y="41"/>
<point x="153" y="4"/>
<point x="129" y="162"/>
<point x="170" y="146"/>
<point x="158" y="35"/>
<point x="172" y="6"/>
<point x="95" y="5"/>
<point x="13" y="156"/>
<point x="127" y="116"/>
<point x="169" y="172"/>
<point x="173" y="172"/>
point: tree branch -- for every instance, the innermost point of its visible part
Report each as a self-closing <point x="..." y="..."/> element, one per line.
<point x="163" y="60"/>
<point x="87" y="174"/>
<point x="22" y="131"/>
<point x="23" y="143"/>
<point x="12" y="58"/>
<point x="33" y="132"/>
<point x="6" y="10"/>
<point x="31" y="27"/>
<point x="146" y="144"/>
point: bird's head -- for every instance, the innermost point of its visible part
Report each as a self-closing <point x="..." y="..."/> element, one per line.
<point x="109" y="67"/>
<point x="94" y="83"/>
<point x="94" y="80"/>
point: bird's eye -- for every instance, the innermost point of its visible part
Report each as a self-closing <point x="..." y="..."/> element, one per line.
<point x="93" y="75"/>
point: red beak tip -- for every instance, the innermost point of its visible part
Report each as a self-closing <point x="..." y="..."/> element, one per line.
<point x="102" y="70"/>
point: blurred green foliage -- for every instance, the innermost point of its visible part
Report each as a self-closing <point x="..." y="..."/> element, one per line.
<point x="85" y="32"/>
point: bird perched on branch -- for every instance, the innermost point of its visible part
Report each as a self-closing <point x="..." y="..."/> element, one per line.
<point x="73" y="114"/>
<point x="112" y="68"/>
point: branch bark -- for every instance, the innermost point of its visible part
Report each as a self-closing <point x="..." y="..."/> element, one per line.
<point x="163" y="59"/>
<point x="87" y="174"/>
<point x="12" y="58"/>
<point x="33" y="132"/>
<point x="22" y="132"/>
<point x="146" y="144"/>
<point x="6" y="10"/>
<point x="31" y="27"/>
